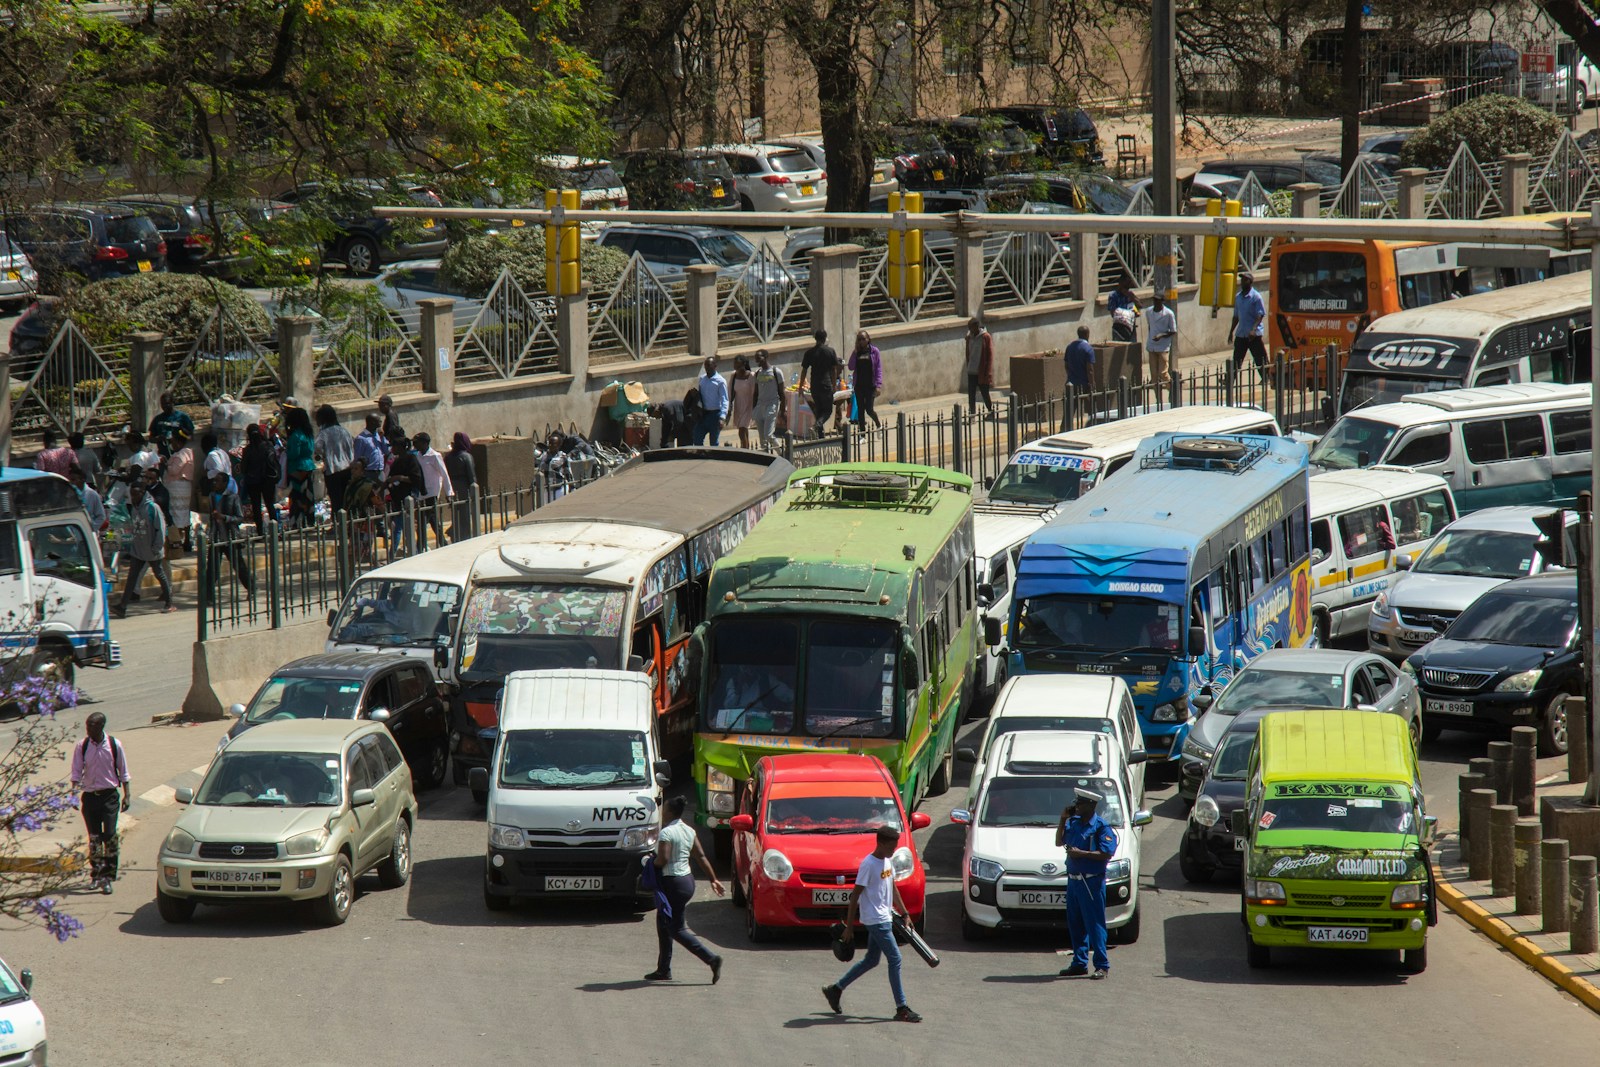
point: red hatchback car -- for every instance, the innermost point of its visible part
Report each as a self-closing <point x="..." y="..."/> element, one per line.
<point x="805" y="822"/>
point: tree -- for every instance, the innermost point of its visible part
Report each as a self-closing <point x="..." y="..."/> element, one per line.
<point x="1491" y="126"/>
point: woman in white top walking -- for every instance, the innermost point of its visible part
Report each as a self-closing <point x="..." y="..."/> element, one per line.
<point x="678" y="845"/>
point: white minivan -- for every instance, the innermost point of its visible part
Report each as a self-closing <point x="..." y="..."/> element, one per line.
<point x="998" y="532"/>
<point x="1352" y="561"/>
<point x="22" y="1036"/>
<point x="574" y="788"/>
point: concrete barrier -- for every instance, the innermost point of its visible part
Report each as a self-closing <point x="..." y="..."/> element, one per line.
<point x="229" y="669"/>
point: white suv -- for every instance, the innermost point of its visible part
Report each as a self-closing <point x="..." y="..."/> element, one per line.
<point x="1013" y="875"/>
<point x="775" y="177"/>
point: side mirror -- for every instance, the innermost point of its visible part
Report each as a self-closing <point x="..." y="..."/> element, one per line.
<point x="966" y="755"/>
<point x="362" y="798"/>
<point x="1236" y="823"/>
<point x="183" y="795"/>
<point x="1430" y="824"/>
<point x="742" y="824"/>
<point x="985" y="594"/>
<point x="26" y="977"/>
<point x="236" y="710"/>
<point x="333" y="613"/>
<point x="1137" y="756"/>
<point x="961" y="817"/>
<point x="910" y="669"/>
<point x="378" y="714"/>
<point x="636" y="664"/>
<point x="1143" y="818"/>
<point x="1327" y="409"/>
<point x="991" y="631"/>
<point x="478" y="779"/>
<point x="441" y="658"/>
<point x="921" y="820"/>
<point x="1403" y="562"/>
<point x="663" y="772"/>
<point x="1365" y="707"/>
<point x="1197" y="640"/>
<point x="1203" y="701"/>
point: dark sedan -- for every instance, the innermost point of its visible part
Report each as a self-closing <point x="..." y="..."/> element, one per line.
<point x="1063" y="134"/>
<point x="1513" y="658"/>
<point x="201" y="237"/>
<point x="87" y="242"/>
<point x="669" y="179"/>
<point x="1208" y="843"/>
<point x="921" y="160"/>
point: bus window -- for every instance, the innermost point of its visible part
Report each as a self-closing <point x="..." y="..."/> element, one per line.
<point x="1525" y="437"/>
<point x="61" y="552"/>
<point x="1417" y="518"/>
<point x="10" y="557"/>
<point x="1278" y="550"/>
<point x="1359" y="531"/>
<point x="1217" y="595"/>
<point x="1420" y="290"/>
<point x="1297" y="535"/>
<point x="1258" y="565"/>
<point x="1321" y="281"/>
<point x="1321" y="540"/>
<point x="1569" y="430"/>
<point x="1497" y="440"/>
<point x="1420" y="449"/>
<point x="1500" y="376"/>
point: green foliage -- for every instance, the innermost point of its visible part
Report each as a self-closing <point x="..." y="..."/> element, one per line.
<point x="472" y="263"/>
<point x="1492" y="126"/>
<point x="177" y="305"/>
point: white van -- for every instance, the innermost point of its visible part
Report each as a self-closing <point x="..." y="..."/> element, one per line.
<point x="1062" y="467"/>
<point x="998" y="532"/>
<point x="574" y="788"/>
<point x="22" y="1036"/>
<point x="1085" y="703"/>
<point x="1498" y="445"/>
<point x="1349" y="564"/>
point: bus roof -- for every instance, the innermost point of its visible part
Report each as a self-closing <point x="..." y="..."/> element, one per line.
<point x="1336" y="491"/>
<point x="1480" y="315"/>
<point x="1363" y="746"/>
<point x="447" y="563"/>
<point x="30" y="492"/>
<point x="679" y="490"/>
<point x="1483" y="400"/>
<point x="598" y="552"/>
<point x="1191" y="418"/>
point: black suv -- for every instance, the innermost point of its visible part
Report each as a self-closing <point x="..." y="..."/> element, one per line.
<point x="87" y="241"/>
<point x="667" y="179"/>
<point x="981" y="146"/>
<point x="921" y="160"/>
<point x="1208" y="843"/>
<point x="1511" y="659"/>
<point x="365" y="241"/>
<point x="1063" y="134"/>
<point x="398" y="691"/>
<point x="191" y="227"/>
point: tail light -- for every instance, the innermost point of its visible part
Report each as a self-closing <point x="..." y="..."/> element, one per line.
<point x="197" y="241"/>
<point x="776" y="179"/>
<point x="824" y="177"/>
<point x="622" y="204"/>
<point x="687" y="186"/>
<point x="109" y="254"/>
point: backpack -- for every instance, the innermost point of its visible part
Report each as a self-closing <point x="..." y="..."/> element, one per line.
<point x="118" y="762"/>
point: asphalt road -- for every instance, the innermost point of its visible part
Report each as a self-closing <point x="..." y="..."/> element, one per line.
<point x="425" y="975"/>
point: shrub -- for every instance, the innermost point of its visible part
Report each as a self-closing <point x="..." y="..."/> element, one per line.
<point x="473" y="262"/>
<point x="177" y="305"/>
<point x="1492" y="126"/>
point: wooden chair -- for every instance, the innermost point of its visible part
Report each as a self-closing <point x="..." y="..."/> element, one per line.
<point x="1128" y="152"/>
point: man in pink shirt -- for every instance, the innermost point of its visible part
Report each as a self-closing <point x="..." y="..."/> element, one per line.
<point x="99" y="769"/>
<point x="56" y="457"/>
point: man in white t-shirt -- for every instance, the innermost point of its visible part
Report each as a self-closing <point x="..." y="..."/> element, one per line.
<point x="874" y="901"/>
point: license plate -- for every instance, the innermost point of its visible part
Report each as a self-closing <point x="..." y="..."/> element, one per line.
<point x="236" y="876"/>
<point x="718" y="194"/>
<point x="144" y="266"/>
<point x="1041" y="898"/>
<point x="830" y="896"/>
<point x="807" y="190"/>
<point x="878" y="176"/>
<point x="1344" y="935"/>
<point x="1449" y="707"/>
<point x="573" y="885"/>
<point x="13" y="276"/>
<point x="1238" y="844"/>
<point x="519" y="222"/>
<point x="1417" y="637"/>
<point x="427" y="224"/>
<point x="938" y="175"/>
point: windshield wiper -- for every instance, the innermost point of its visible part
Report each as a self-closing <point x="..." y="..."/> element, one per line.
<point x="1135" y="648"/>
<point x="1065" y="646"/>
<point x="836" y="731"/>
<point x="739" y="718"/>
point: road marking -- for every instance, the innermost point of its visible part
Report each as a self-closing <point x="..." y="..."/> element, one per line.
<point x="1547" y="779"/>
<point x="160" y="795"/>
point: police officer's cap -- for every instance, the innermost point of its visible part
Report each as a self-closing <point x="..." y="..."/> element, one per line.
<point x="1084" y="793"/>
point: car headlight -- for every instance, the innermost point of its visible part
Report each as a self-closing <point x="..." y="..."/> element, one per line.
<point x="1259" y="891"/>
<point x="1380" y="607"/>
<point x="1407" y="669"/>
<point x="1520" y="683"/>
<point x="179" y="842"/>
<point x="985" y="870"/>
<point x="307" y="844"/>
<point x="718" y="781"/>
<point x="641" y="837"/>
<point x="776" y="866"/>
<point x="722" y="803"/>
<point x="506" y="837"/>
<point x="1194" y="748"/>
<point x="1409" y="893"/>
<point x="903" y="863"/>
<point x="1119" y="870"/>
<point x="1206" y="812"/>
<point x="1170" y="713"/>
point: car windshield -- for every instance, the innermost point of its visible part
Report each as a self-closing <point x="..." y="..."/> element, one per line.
<point x="600" y="176"/>
<point x="396" y="612"/>
<point x="727" y="249"/>
<point x="1353" y="442"/>
<point x="573" y="759"/>
<point x="790" y="162"/>
<point x="1321" y="281"/>
<point x="1039" y="801"/>
<point x="1330" y="808"/>
<point x="1259" y="688"/>
<point x="1479" y="553"/>
<point x="1232" y="761"/>
<point x="534" y="627"/>
<point x="272" y="780"/>
<point x="1045" y="479"/>
<point x="304" y="698"/>
<point x="1097" y="624"/>
<point x="850" y="679"/>
<point x="1325" y="174"/>
<point x="1362" y="389"/>
<point x="831" y="814"/>
<point x="1500" y="618"/>
<point x="1016" y="724"/>
<point x="1107" y="196"/>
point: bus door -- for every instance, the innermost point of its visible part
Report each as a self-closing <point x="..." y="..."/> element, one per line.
<point x="16" y="606"/>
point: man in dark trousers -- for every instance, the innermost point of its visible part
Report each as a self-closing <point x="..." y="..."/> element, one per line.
<point x="99" y="769"/>
<point x="820" y="366"/>
<point x="874" y="901"/>
<point x="1090" y="844"/>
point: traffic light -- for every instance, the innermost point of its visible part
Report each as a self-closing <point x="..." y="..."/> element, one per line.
<point x="1219" y="258"/>
<point x="1552" y="543"/>
<point x="905" y="251"/>
<point x="561" y="246"/>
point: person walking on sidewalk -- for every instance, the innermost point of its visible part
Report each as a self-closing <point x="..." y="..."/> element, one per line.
<point x="227" y="541"/>
<point x="463" y="471"/>
<point x="437" y="491"/>
<point x="874" y="901"/>
<point x="713" y="390"/>
<point x="1080" y="361"/>
<point x="820" y="367"/>
<point x="147" y="547"/>
<point x="1090" y="844"/>
<point x="1249" y="322"/>
<point x="1124" y="308"/>
<point x="335" y="448"/>
<point x="677" y="845"/>
<point x="1162" y="327"/>
<point x="99" y="769"/>
<point x="866" y="369"/>
<point x="979" y="365"/>
<point x="769" y="399"/>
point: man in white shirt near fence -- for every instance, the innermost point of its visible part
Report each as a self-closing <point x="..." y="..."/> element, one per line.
<point x="1161" y="327"/>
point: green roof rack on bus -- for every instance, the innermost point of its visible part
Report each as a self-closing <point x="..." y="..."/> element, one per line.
<point x="1200" y="452"/>
<point x="900" y="489"/>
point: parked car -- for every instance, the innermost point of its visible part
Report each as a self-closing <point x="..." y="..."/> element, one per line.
<point x="1276" y="175"/>
<point x="365" y="242"/>
<point x="1063" y="134"/>
<point x="804" y="822"/>
<point x="1514" y="658"/>
<point x="880" y="183"/>
<point x="1208" y="843"/>
<point x="402" y="284"/>
<point x="1297" y="678"/>
<point x="669" y="179"/>
<point x="600" y="187"/>
<point x="920" y="158"/>
<point x="1550" y="90"/>
<point x="1085" y="193"/>
<point x="22" y="1032"/>
<point x="1201" y="186"/>
<point x="190" y="230"/>
<point x="291" y="811"/>
<point x="668" y="250"/>
<point x="982" y="147"/>
<point x="772" y="178"/>
<point x="87" y="242"/>
<point x="19" y="282"/>
<point x="1468" y="558"/>
<point x="398" y="691"/>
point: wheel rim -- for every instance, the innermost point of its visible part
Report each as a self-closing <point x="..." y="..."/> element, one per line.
<point x="402" y="851"/>
<point x="359" y="257"/>
<point x="1558" y="720"/>
<point x="341" y="888"/>
<point x="436" y="766"/>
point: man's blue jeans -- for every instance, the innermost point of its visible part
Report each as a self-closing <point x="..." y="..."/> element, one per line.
<point x="708" y="426"/>
<point x="880" y="942"/>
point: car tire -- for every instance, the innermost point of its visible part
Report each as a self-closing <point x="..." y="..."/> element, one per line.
<point x="360" y="254"/>
<point x="939" y="784"/>
<point x="493" y="901"/>
<point x="1580" y="96"/>
<point x="480" y="797"/>
<point x="1553" y="726"/>
<point x="1128" y="932"/>
<point x="1193" y="871"/>
<point x="437" y="767"/>
<point x="736" y="892"/>
<point x="1322" y="626"/>
<point x="971" y="931"/>
<point x="395" y="871"/>
<point x="757" y="933"/>
<point x="1259" y="957"/>
<point x="334" y="907"/>
<point x="1414" y="960"/>
<point x="174" y="909"/>
<point x="745" y="203"/>
<point x="1431" y="731"/>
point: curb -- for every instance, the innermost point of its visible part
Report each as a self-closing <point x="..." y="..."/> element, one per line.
<point x="1526" y="951"/>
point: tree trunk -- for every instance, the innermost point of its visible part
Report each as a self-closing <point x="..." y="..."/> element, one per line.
<point x="1350" y="81"/>
<point x="839" y="94"/>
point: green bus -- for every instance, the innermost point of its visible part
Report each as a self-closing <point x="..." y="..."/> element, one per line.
<point x="843" y="622"/>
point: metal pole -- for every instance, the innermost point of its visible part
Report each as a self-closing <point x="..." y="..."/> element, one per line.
<point x="274" y="594"/>
<point x="1553" y="892"/>
<point x="1163" y="150"/>
<point x="958" y="462"/>
<point x="1591" y="794"/>
<point x="1526" y="863"/>
<point x="202" y="575"/>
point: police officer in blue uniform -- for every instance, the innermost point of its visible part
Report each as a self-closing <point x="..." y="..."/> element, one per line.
<point x="1090" y="844"/>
